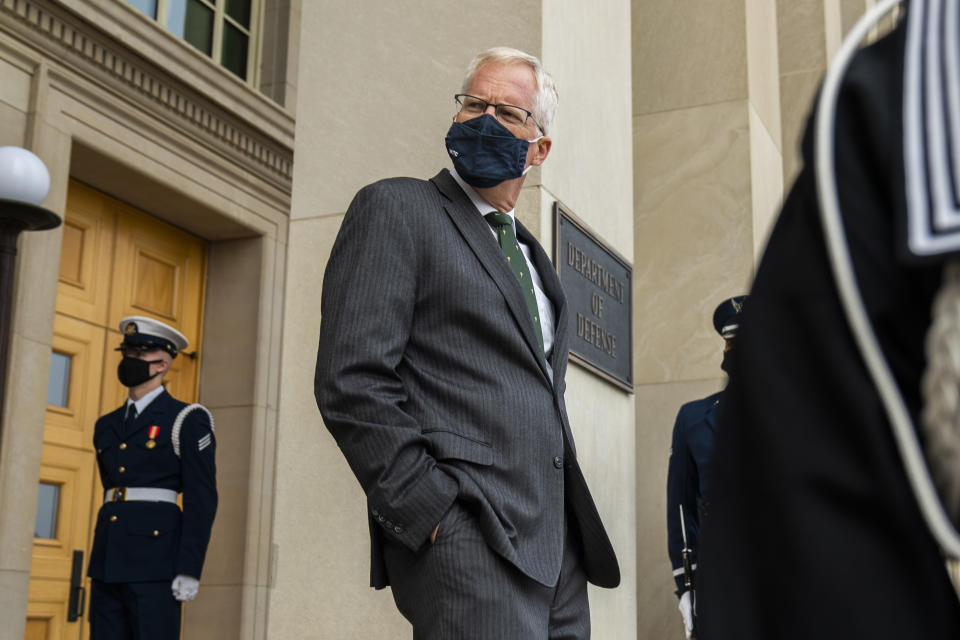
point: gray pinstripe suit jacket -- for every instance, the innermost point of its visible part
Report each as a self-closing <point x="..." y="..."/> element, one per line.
<point x="429" y="380"/>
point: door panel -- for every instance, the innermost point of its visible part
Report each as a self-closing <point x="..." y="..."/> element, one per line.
<point x="73" y="475"/>
<point x="115" y="262"/>
<point x="160" y="273"/>
<point x="81" y="345"/>
<point x="41" y="619"/>
<point x="67" y="463"/>
<point x="72" y="472"/>
<point x="86" y="255"/>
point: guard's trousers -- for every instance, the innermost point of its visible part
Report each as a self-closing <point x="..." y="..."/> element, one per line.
<point x="133" y="611"/>
<point x="460" y="588"/>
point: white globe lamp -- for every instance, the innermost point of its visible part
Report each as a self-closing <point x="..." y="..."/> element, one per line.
<point x="23" y="176"/>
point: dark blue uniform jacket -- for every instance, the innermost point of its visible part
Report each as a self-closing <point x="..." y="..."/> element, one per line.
<point x="692" y="448"/>
<point x="154" y="541"/>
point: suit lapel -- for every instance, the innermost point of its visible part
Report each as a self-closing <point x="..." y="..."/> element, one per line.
<point x="476" y="232"/>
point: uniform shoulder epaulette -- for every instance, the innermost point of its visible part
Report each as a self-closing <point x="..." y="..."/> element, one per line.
<point x="178" y="423"/>
<point x="931" y="133"/>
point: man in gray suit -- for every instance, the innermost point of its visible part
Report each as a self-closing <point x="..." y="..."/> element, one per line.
<point x="440" y="373"/>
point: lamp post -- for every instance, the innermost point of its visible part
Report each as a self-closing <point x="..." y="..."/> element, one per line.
<point x="24" y="183"/>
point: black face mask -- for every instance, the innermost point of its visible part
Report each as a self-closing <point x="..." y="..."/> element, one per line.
<point x="133" y="371"/>
<point x="727" y="361"/>
<point x="485" y="153"/>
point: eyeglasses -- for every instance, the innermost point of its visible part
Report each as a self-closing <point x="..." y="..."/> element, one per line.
<point x="505" y="113"/>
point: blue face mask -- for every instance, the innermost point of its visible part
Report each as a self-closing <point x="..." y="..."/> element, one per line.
<point x="485" y="153"/>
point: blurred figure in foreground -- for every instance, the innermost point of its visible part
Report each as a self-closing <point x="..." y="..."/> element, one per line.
<point x="830" y="505"/>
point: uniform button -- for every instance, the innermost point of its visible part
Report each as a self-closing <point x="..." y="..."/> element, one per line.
<point x="99" y="451"/>
<point x="398" y="529"/>
<point x="123" y="445"/>
<point x="122" y="469"/>
<point x="389" y="524"/>
<point x="155" y="533"/>
<point x="558" y="462"/>
<point x="113" y="518"/>
<point x="381" y="518"/>
<point x="375" y="512"/>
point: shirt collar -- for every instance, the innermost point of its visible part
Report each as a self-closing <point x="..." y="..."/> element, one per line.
<point x="145" y="401"/>
<point x="481" y="205"/>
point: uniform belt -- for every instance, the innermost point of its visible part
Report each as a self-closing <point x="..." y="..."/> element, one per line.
<point x="141" y="494"/>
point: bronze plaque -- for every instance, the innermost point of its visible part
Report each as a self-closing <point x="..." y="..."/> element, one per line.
<point x="597" y="282"/>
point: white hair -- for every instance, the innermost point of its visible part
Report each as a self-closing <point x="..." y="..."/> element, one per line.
<point x="546" y="96"/>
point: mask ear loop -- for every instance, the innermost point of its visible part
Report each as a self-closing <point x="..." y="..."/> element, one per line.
<point x="528" y="167"/>
<point x="901" y="424"/>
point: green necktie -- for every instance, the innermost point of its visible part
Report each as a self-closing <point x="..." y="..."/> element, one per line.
<point x="503" y="224"/>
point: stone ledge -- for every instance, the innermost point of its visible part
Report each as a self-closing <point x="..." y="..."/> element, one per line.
<point x="234" y="126"/>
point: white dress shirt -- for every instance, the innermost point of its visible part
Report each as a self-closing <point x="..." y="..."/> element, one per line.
<point x="143" y="402"/>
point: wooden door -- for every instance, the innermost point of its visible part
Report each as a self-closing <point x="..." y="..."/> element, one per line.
<point x="115" y="262"/>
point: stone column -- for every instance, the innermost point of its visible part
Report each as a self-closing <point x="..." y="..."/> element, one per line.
<point x="809" y="33"/>
<point x="24" y="121"/>
<point x="707" y="183"/>
<point x="586" y="46"/>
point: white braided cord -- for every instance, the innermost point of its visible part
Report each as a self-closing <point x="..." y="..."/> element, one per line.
<point x="178" y="423"/>
<point x="940" y="420"/>
<point x="953" y="570"/>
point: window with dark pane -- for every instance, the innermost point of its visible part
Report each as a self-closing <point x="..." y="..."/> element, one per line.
<point x="58" y="387"/>
<point x="239" y="10"/>
<point x="192" y="20"/>
<point x="224" y="29"/>
<point x="48" y="504"/>
<point x="234" y="53"/>
<point x="149" y="7"/>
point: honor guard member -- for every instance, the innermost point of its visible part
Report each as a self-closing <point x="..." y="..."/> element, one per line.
<point x="687" y="473"/>
<point x="833" y="489"/>
<point x="147" y="555"/>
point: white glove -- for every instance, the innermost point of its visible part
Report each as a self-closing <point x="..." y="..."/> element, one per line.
<point x="185" y="588"/>
<point x="686" y="610"/>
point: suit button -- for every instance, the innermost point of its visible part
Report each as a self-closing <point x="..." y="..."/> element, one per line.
<point x="388" y="524"/>
<point x="381" y="518"/>
<point x="398" y="529"/>
<point x="558" y="462"/>
<point x="123" y="445"/>
<point x="113" y="518"/>
<point x="122" y="469"/>
<point x="375" y="512"/>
